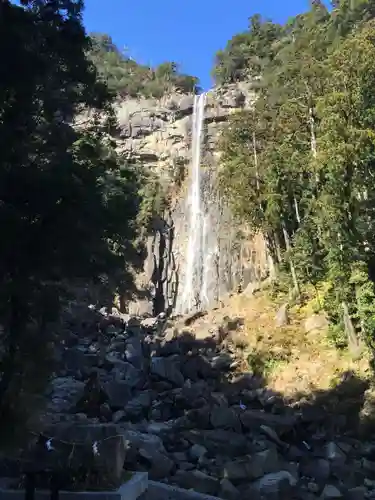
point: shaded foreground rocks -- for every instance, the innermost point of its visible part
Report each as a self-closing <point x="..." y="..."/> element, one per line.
<point x="182" y="411"/>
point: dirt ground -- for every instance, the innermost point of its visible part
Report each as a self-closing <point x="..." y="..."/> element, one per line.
<point x="293" y="360"/>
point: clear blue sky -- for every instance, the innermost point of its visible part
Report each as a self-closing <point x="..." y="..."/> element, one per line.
<point x="188" y="32"/>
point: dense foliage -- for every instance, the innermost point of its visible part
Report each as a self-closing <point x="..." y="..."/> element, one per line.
<point x="126" y="77"/>
<point x="68" y="204"/>
<point x="246" y="53"/>
<point x="300" y="165"/>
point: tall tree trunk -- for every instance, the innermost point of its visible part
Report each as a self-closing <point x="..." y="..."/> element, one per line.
<point x="314" y="150"/>
<point x="291" y="264"/>
<point x="296" y="209"/>
<point x="15" y="326"/>
<point x="256" y="161"/>
<point x="313" y="146"/>
<point x="270" y="249"/>
<point x="270" y="253"/>
<point x="354" y="343"/>
<point x="277" y="247"/>
<point x="255" y="156"/>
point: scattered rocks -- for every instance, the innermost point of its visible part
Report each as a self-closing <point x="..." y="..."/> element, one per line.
<point x="184" y="414"/>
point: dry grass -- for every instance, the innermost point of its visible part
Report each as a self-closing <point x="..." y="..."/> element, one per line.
<point x="295" y="362"/>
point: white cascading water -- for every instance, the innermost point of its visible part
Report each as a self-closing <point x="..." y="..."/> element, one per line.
<point x="194" y="287"/>
<point x="208" y="256"/>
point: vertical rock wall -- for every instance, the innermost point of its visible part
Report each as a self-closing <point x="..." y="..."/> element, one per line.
<point x="157" y="134"/>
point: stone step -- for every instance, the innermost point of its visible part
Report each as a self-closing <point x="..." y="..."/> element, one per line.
<point x="161" y="491"/>
<point x="131" y="490"/>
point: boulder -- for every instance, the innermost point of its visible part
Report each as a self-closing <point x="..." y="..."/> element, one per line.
<point x="334" y="453"/>
<point x="251" y="418"/>
<point x="282" y="316"/>
<point x="100" y="443"/>
<point x="160" y="466"/>
<point x="280" y="482"/>
<point x="149" y="324"/>
<point x="357" y="493"/>
<point x="330" y="492"/>
<point x="252" y="467"/>
<point x="197" y="451"/>
<point x="318" y="469"/>
<point x="197" y="481"/>
<point x="74" y="359"/>
<point x="140" y="403"/>
<point x="64" y="393"/>
<point x="225" y="418"/>
<point x="119" y="393"/>
<point x="119" y="416"/>
<point x="316" y="322"/>
<point x="219" y="441"/>
<point x="134" y="352"/>
<point x="168" y="369"/>
<point x="228" y="491"/>
<point x="124" y="371"/>
<point x="138" y="440"/>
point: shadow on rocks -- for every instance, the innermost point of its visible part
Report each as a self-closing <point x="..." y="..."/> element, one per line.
<point x="190" y="415"/>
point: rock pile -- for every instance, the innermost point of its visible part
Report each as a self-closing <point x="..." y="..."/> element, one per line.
<point x="189" y="418"/>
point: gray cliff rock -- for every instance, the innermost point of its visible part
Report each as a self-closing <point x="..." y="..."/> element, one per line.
<point x="157" y="134"/>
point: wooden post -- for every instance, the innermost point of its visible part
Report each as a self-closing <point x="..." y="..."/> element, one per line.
<point x="55" y="485"/>
<point x="30" y="485"/>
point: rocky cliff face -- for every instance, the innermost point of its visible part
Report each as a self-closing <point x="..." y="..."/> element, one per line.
<point x="158" y="135"/>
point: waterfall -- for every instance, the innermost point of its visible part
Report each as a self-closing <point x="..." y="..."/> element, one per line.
<point x="193" y="292"/>
<point x="208" y="257"/>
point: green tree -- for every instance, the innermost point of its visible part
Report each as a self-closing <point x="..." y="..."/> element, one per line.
<point x="247" y="53"/>
<point x="299" y="165"/>
<point x="126" y="77"/>
<point x="67" y="204"/>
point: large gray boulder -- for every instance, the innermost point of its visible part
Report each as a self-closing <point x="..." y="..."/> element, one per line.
<point x="63" y="393"/>
<point x="167" y="368"/>
<point x="98" y="446"/>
